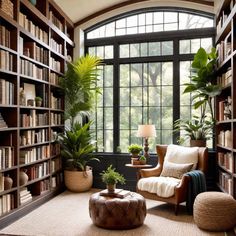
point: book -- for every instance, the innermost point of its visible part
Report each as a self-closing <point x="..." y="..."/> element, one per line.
<point x="119" y="193"/>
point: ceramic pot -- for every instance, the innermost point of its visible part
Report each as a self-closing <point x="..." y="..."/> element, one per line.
<point x="7" y="182"/>
<point x="23" y="177"/>
<point x="38" y="103"/>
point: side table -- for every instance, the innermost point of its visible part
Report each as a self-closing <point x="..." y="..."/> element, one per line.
<point x="138" y="167"/>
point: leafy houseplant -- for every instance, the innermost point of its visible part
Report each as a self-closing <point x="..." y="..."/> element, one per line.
<point x="111" y="177"/>
<point x="79" y="85"/>
<point x="135" y="149"/>
<point x="142" y="160"/>
<point x="38" y="101"/>
<point x="204" y="90"/>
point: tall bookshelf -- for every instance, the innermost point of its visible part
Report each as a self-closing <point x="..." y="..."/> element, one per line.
<point x="35" y="45"/>
<point x="226" y="101"/>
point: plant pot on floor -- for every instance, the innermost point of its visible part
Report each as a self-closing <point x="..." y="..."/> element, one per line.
<point x="78" y="181"/>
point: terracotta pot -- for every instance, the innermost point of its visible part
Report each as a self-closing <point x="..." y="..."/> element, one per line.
<point x="7" y="182"/>
<point x="197" y="143"/>
<point x="111" y="188"/>
<point x="78" y="181"/>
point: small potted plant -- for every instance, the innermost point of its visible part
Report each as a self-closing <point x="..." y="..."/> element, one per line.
<point x="38" y="101"/>
<point x="111" y="177"/>
<point x="135" y="149"/>
<point x="142" y="160"/>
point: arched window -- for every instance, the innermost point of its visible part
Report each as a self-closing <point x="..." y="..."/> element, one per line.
<point x="147" y="57"/>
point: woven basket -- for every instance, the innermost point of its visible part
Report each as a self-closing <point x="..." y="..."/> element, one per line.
<point x="78" y="181"/>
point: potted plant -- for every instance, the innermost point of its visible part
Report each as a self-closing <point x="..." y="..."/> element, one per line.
<point x="38" y="101"/>
<point x="111" y="177"/>
<point x="77" y="148"/>
<point x="135" y="149"/>
<point x="204" y="90"/>
<point x="197" y="130"/>
<point x="142" y="160"/>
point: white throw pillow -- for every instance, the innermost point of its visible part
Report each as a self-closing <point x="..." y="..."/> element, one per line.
<point x="182" y="155"/>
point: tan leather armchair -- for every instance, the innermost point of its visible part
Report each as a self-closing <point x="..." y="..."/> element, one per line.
<point x="180" y="192"/>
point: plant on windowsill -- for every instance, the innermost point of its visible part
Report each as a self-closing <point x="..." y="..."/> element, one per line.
<point x="111" y="177"/>
<point x="77" y="147"/>
<point x="204" y="89"/>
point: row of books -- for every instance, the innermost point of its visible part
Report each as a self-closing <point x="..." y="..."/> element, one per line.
<point x="38" y="170"/>
<point x="3" y="124"/>
<point x="6" y="157"/>
<point x="6" y="60"/>
<point x="56" y="103"/>
<point x="225" y="78"/>
<point x="225" y="109"/>
<point x="56" y="46"/>
<point x="54" y="78"/>
<point x="29" y="26"/>
<point x="224" y="49"/>
<point x="55" y="149"/>
<point x="25" y="196"/>
<point x="226" y="160"/>
<point x="6" y="92"/>
<point x="6" y="203"/>
<point x="55" y="164"/>
<point x="30" y="69"/>
<point x="224" y="17"/>
<point x="5" y="36"/>
<point x="34" y="154"/>
<point x="33" y="119"/>
<point x="30" y="49"/>
<point x="55" y="65"/>
<point x="7" y="7"/>
<point x="225" y="138"/>
<point x="40" y="187"/>
<point x="55" y="21"/>
<point x="56" y="119"/>
<point x="29" y="137"/>
<point x="225" y="180"/>
<point x="57" y="180"/>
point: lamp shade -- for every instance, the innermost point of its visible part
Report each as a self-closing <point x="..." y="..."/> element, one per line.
<point x="146" y="131"/>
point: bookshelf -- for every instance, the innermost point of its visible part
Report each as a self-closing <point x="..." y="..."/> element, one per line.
<point x="226" y="101"/>
<point x="36" y="42"/>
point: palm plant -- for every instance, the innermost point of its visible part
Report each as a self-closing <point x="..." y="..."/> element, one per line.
<point x="79" y="86"/>
<point x="77" y="147"/>
<point x="202" y="81"/>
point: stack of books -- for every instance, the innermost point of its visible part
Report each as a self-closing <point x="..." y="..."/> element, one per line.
<point x="119" y="193"/>
<point x="25" y="196"/>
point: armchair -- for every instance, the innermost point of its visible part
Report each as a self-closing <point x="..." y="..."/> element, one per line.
<point x="180" y="190"/>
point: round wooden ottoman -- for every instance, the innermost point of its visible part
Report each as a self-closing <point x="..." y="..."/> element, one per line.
<point x="214" y="211"/>
<point x="117" y="213"/>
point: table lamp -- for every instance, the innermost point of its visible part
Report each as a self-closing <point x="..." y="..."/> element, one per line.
<point x="146" y="131"/>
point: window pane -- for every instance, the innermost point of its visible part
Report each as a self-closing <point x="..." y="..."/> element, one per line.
<point x="132" y="21"/>
<point x="108" y="96"/>
<point x="195" y="45"/>
<point x="154" y="49"/>
<point x="108" y="52"/>
<point x="167" y="48"/>
<point x="124" y="75"/>
<point x="124" y="140"/>
<point x="149" y="18"/>
<point x="158" y="17"/>
<point x="136" y="96"/>
<point x="167" y="118"/>
<point x="108" y="75"/>
<point x="108" y="119"/>
<point x="136" y="115"/>
<point x="134" y="50"/>
<point x="167" y="73"/>
<point x="144" y="49"/>
<point x="206" y="43"/>
<point x="110" y="29"/>
<point x="154" y="73"/>
<point x="124" y="96"/>
<point x="184" y="46"/>
<point x="170" y="26"/>
<point x="154" y="96"/>
<point x="170" y="17"/>
<point x="124" y="50"/>
<point x="108" y="137"/>
<point x="124" y="118"/>
<point x="121" y="23"/>
<point x="136" y="74"/>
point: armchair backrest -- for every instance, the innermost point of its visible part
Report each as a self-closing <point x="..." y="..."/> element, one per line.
<point x="202" y="157"/>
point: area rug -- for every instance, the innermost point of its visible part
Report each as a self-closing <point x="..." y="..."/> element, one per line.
<point x="68" y="215"/>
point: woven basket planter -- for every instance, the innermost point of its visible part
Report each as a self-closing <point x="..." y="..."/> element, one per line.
<point x="78" y="181"/>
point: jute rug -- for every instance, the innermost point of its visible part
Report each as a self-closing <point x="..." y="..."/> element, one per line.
<point x="68" y="215"/>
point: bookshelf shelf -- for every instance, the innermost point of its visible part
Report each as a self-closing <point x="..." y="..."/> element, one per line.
<point x="37" y="52"/>
<point x="226" y="101"/>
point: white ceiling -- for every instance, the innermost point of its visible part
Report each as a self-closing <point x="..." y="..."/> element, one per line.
<point x="77" y="10"/>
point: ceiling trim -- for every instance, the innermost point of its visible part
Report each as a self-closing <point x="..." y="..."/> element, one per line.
<point x="130" y="2"/>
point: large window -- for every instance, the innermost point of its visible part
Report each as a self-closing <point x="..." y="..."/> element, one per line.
<point x="143" y="74"/>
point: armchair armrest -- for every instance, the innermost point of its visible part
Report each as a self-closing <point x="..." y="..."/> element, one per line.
<point x="156" y="171"/>
<point x="181" y="188"/>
